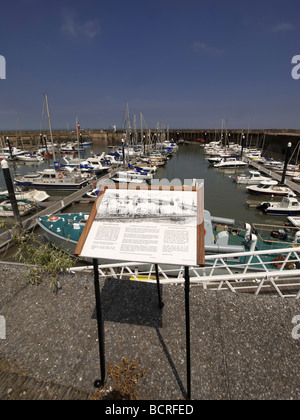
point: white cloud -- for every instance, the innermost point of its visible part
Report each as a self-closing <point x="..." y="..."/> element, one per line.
<point x="71" y="27"/>
<point x="283" y="27"/>
<point x="202" y="47"/>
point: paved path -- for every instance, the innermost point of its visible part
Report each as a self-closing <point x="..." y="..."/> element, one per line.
<point x="17" y="387"/>
<point x="241" y="345"/>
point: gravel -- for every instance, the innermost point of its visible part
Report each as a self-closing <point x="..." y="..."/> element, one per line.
<point x="241" y="345"/>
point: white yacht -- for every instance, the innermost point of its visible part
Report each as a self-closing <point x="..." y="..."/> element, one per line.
<point x="254" y="178"/>
<point x="53" y="179"/>
<point x="289" y="206"/>
<point x="271" y="188"/>
<point x="230" y="162"/>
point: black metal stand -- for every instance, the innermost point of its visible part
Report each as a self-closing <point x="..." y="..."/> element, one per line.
<point x="188" y="332"/>
<point x="160" y="302"/>
<point x="287" y="157"/>
<point x="99" y="383"/>
<point x="11" y="192"/>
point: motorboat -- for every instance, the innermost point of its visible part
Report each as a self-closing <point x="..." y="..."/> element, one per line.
<point x="71" y="148"/>
<point x="30" y="158"/>
<point x="289" y="206"/>
<point x="271" y="188"/>
<point x="170" y="145"/>
<point x="294" y="221"/>
<point x="86" y="143"/>
<point x="96" y="167"/>
<point x="145" y="167"/>
<point x="64" y="230"/>
<point x="217" y="158"/>
<point x="114" y="159"/>
<point x="296" y="178"/>
<point x="123" y="177"/>
<point x="254" y="178"/>
<point x="94" y="193"/>
<point x="230" y="162"/>
<point x="91" y="164"/>
<point x="11" y="153"/>
<point x="254" y="155"/>
<point x="146" y="176"/>
<point x="32" y="195"/>
<point x="223" y="236"/>
<point x="24" y="208"/>
<point x="273" y="164"/>
<point x="70" y="162"/>
<point x="142" y="169"/>
<point x="53" y="179"/>
<point x="154" y="161"/>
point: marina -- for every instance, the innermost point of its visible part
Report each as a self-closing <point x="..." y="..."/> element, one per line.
<point x="149" y="203"/>
<point x="190" y="163"/>
<point x="248" y="253"/>
<point x="226" y="199"/>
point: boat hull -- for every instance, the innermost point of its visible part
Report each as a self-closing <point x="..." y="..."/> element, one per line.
<point x="230" y="166"/>
<point x="279" y="212"/>
<point x="269" y="193"/>
<point x="44" y="186"/>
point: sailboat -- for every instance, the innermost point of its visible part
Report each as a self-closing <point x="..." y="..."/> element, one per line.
<point x="55" y="178"/>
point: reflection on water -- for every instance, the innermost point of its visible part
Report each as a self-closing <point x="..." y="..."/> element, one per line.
<point x="223" y="197"/>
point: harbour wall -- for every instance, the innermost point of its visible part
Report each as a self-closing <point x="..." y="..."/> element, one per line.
<point x="273" y="141"/>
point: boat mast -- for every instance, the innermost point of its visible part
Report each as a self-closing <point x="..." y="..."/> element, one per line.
<point x="19" y="132"/>
<point x="226" y="134"/>
<point x="50" y="128"/>
<point x="135" y="130"/>
<point x="77" y="132"/>
<point x="222" y="131"/>
<point x="142" y="134"/>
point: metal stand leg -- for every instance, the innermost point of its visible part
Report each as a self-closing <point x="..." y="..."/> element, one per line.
<point x="160" y="302"/>
<point x="188" y="332"/>
<point x="101" y="338"/>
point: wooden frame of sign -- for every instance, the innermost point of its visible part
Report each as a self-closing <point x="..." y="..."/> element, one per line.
<point x="186" y="196"/>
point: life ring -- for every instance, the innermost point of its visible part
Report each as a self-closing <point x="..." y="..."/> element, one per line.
<point x="278" y="262"/>
<point x="60" y="176"/>
<point x="53" y="219"/>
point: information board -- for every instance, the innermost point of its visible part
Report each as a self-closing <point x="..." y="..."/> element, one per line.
<point x="155" y="224"/>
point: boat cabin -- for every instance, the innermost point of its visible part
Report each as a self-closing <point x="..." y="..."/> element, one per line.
<point x="268" y="184"/>
<point x="290" y="202"/>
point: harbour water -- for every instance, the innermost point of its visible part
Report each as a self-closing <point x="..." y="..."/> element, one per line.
<point x="223" y="197"/>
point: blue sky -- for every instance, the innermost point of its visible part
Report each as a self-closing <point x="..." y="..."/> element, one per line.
<point x="187" y="63"/>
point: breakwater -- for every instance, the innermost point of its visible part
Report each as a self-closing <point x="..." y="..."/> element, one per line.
<point x="270" y="140"/>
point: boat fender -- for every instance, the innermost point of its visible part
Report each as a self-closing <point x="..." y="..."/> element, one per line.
<point x="248" y="232"/>
<point x="253" y="242"/>
<point x="297" y="237"/>
<point x="290" y="266"/>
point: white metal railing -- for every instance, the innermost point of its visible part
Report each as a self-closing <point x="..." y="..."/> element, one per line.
<point x="254" y="272"/>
